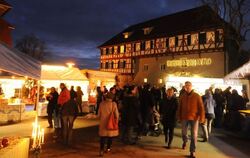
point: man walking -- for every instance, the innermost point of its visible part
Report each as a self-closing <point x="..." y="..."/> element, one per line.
<point x="168" y="108"/>
<point x="190" y="112"/>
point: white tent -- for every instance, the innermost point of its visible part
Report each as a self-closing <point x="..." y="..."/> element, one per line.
<point x="13" y="61"/>
<point x="52" y="72"/>
<point x="242" y="72"/>
<point x="53" y="75"/>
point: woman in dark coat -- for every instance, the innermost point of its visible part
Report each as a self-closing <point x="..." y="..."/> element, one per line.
<point x="52" y="98"/>
<point x="168" y="108"/>
<point x="130" y="114"/>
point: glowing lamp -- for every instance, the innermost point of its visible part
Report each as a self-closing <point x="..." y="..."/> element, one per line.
<point x="160" y="81"/>
<point x="70" y="65"/>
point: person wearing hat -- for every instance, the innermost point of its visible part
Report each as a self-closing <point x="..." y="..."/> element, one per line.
<point x="106" y="108"/>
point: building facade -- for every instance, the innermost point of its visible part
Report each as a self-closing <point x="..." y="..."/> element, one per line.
<point x="5" y="27"/>
<point x="188" y="43"/>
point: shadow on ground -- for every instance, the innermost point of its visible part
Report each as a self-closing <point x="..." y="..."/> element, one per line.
<point x="86" y="144"/>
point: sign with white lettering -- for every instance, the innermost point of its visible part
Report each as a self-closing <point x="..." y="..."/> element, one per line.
<point x="185" y="62"/>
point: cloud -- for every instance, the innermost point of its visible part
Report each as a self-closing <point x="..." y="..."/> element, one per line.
<point x="77" y="27"/>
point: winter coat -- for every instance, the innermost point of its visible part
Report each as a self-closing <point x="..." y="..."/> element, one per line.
<point x="79" y="95"/>
<point x="209" y="104"/>
<point x="130" y="110"/>
<point x="105" y="109"/>
<point x="70" y="108"/>
<point x="52" y="98"/>
<point x="236" y="103"/>
<point x="63" y="97"/>
<point x="220" y="102"/>
<point x="191" y="107"/>
<point x="168" y="109"/>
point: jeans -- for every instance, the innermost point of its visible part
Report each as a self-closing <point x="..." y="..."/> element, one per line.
<point x="67" y="129"/>
<point x="207" y="127"/>
<point x="169" y="133"/>
<point x="103" y="141"/>
<point x="194" y="132"/>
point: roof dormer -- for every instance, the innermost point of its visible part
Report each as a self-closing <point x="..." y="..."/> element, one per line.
<point x="126" y="34"/>
<point x="147" y="30"/>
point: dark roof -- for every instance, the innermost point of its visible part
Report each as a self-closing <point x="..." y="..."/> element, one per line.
<point x="4" y="3"/>
<point x="199" y="18"/>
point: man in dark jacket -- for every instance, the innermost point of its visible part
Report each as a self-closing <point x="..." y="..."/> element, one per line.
<point x="52" y="98"/>
<point x="168" y="108"/>
<point x="130" y="113"/>
<point x="73" y="93"/>
<point x="147" y="103"/>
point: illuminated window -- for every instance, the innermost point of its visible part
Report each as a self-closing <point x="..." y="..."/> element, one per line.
<point x="137" y="47"/>
<point x="194" y="39"/>
<point x="210" y="37"/>
<point x="147" y="30"/>
<point x="147" y="45"/>
<point x="160" y="43"/>
<point x="115" y="49"/>
<point x="104" y="51"/>
<point x="122" y="49"/>
<point x="172" y="42"/>
<point x="128" y="48"/>
<point x="110" y="50"/>
<point x="127" y="34"/>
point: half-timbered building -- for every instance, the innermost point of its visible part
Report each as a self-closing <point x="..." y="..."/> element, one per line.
<point x="189" y="43"/>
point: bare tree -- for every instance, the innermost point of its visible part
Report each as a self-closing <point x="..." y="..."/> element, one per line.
<point x="31" y="45"/>
<point x="236" y="13"/>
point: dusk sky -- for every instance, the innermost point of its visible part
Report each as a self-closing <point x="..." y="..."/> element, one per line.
<point x="76" y="27"/>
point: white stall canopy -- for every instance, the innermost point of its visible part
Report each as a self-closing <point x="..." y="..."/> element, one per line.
<point x="242" y="72"/>
<point x="18" y="63"/>
<point x="53" y="72"/>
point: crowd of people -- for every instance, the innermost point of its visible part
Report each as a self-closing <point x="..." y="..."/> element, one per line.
<point x="144" y="110"/>
<point x="64" y="108"/>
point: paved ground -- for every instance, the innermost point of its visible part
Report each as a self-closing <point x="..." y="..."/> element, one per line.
<point x="86" y="144"/>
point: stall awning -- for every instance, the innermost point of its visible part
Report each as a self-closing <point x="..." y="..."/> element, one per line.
<point x="242" y="72"/>
<point x="52" y="72"/>
<point x="18" y="63"/>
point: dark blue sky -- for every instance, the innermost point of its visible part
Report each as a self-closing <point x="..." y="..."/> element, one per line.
<point x="76" y="27"/>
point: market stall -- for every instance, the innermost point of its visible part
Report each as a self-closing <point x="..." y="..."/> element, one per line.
<point x="239" y="75"/>
<point x="18" y="74"/>
<point x="98" y="78"/>
<point x="200" y="84"/>
<point x="53" y="75"/>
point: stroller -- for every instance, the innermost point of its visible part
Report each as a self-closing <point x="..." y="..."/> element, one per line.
<point x="155" y="127"/>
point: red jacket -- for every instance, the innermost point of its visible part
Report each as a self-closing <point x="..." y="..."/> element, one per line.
<point x="191" y="107"/>
<point x="63" y="97"/>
